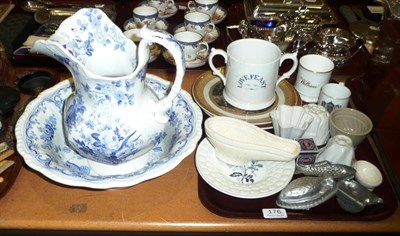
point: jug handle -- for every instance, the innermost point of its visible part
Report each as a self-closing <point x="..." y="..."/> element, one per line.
<point x="166" y="40"/>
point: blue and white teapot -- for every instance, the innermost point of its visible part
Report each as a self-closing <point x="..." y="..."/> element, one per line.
<point x="111" y="117"/>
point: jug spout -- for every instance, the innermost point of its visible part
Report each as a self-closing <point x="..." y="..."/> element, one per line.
<point x="90" y="40"/>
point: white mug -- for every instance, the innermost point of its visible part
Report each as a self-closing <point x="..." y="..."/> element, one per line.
<point x="191" y="43"/>
<point x="198" y="22"/>
<point x="251" y="73"/>
<point x="145" y="15"/>
<point x="314" y="72"/>
<point x="161" y="5"/>
<point x="206" y="6"/>
<point x="334" y="96"/>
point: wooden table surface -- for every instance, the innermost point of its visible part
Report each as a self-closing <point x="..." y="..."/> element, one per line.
<point x="169" y="203"/>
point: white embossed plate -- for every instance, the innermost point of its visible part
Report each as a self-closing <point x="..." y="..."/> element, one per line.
<point x="256" y="180"/>
<point x="41" y="141"/>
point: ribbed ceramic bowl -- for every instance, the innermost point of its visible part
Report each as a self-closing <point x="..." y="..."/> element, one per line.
<point x="350" y="122"/>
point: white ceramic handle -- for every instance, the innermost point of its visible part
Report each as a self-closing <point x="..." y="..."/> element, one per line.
<point x="171" y="3"/>
<point x="167" y="41"/>
<point x="203" y="47"/>
<point x="215" y="71"/>
<point x="210" y="27"/>
<point x="191" y="5"/>
<point x="286" y="75"/>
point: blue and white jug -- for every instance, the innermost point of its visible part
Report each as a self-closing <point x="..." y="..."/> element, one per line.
<point x="111" y="117"/>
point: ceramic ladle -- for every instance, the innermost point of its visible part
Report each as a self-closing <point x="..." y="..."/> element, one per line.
<point x="238" y="142"/>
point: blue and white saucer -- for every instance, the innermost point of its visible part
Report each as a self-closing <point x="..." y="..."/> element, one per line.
<point x="201" y="60"/>
<point x="41" y="141"/>
<point x="208" y="37"/>
<point x="219" y="15"/>
<point x="161" y="24"/>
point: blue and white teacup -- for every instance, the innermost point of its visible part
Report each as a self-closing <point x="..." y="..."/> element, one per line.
<point x="145" y="15"/>
<point x="198" y="22"/>
<point x="206" y="6"/>
<point x="192" y="44"/>
<point x="161" y="5"/>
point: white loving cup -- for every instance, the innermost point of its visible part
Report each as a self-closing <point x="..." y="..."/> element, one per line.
<point x="198" y="22"/>
<point x="145" y="15"/>
<point x="206" y="6"/>
<point x="161" y="5"/>
<point x="251" y="73"/>
<point x="314" y="72"/>
<point x="192" y="44"/>
<point x="334" y="96"/>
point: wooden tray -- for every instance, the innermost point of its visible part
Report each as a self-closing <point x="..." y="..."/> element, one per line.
<point x="228" y="206"/>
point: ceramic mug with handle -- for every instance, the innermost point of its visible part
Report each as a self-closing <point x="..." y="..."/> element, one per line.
<point x="251" y="74"/>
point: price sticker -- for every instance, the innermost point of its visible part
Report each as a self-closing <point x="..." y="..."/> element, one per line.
<point x="274" y="213"/>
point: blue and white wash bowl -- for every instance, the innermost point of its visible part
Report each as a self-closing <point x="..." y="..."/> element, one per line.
<point x="41" y="141"/>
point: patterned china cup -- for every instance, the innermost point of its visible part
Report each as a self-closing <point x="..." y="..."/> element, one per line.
<point x="206" y="6"/>
<point x="192" y="44"/>
<point x="198" y="22"/>
<point x="161" y="5"/>
<point x="145" y="15"/>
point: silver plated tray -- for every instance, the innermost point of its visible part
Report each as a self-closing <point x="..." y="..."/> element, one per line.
<point x="266" y="8"/>
<point x="54" y="16"/>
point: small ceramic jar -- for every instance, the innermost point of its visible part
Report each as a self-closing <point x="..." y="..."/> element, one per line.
<point x="338" y="150"/>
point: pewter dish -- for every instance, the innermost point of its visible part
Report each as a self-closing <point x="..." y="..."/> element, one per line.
<point x="325" y="168"/>
<point x="353" y="197"/>
<point x="41" y="141"/>
<point x="306" y="192"/>
<point x="255" y="180"/>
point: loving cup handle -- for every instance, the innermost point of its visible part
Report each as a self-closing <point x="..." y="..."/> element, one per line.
<point x="166" y="40"/>
<point x="286" y="75"/>
<point x="215" y="71"/>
